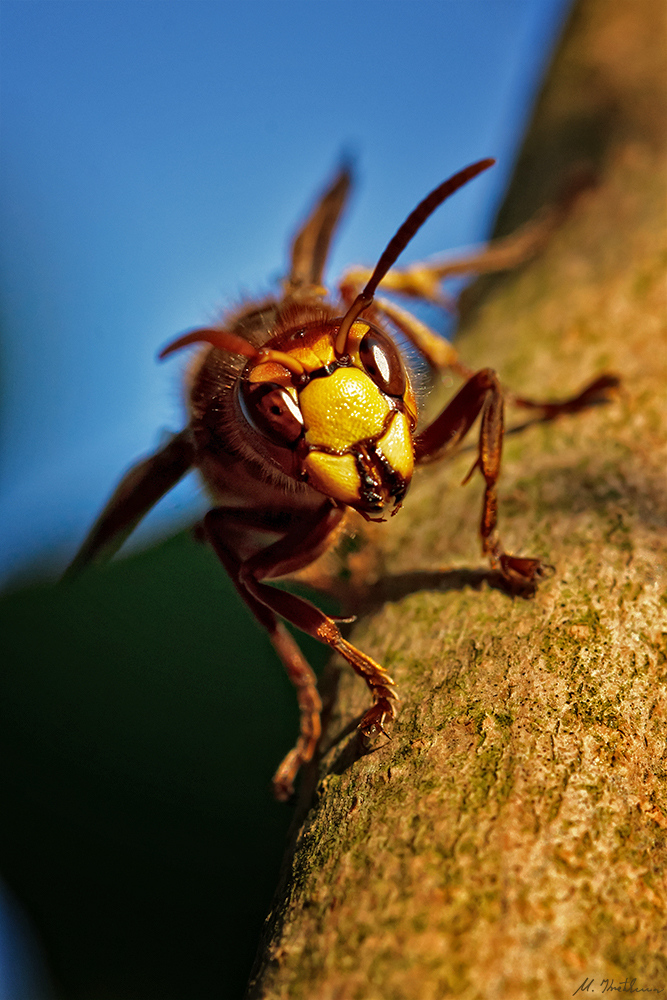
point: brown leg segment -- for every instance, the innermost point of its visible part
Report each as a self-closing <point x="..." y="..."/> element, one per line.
<point x="314" y="622"/>
<point x="310" y="705"/>
<point x="138" y="491"/>
<point x="290" y="553"/>
<point x="298" y="670"/>
<point x="480" y="394"/>
<point x="600" y="390"/>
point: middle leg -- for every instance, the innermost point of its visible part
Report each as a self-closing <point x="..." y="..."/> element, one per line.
<point x="482" y="393"/>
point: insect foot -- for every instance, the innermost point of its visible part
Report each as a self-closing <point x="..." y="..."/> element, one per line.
<point x="523" y="575"/>
<point x="381" y="712"/>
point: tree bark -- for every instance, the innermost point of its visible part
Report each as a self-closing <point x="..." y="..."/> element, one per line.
<point x="509" y="840"/>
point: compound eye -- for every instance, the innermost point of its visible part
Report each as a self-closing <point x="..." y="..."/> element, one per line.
<point x="382" y="361"/>
<point x="270" y="409"/>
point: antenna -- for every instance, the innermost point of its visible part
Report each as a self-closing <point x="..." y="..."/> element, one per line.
<point x="400" y="240"/>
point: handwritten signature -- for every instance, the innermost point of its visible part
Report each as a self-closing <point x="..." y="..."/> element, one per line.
<point x="623" y="986"/>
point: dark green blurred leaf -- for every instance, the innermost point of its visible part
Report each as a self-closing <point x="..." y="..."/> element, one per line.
<point x="142" y="713"/>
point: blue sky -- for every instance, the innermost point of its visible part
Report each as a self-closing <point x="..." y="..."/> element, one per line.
<point x="156" y="157"/>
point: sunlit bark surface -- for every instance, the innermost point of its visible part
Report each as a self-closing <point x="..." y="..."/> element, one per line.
<point x="509" y="841"/>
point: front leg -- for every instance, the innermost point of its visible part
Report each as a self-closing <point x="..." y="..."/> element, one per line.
<point x="480" y="394"/>
<point x="296" y="549"/>
<point x="138" y="491"/>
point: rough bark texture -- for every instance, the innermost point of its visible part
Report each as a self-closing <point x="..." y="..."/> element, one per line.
<point x="509" y="841"/>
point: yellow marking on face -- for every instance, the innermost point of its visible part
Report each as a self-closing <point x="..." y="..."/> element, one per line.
<point x="334" y="475"/>
<point x="316" y="353"/>
<point x="357" y="333"/>
<point x="316" y="350"/>
<point x="343" y="408"/>
<point x="270" y="371"/>
<point x="396" y="446"/>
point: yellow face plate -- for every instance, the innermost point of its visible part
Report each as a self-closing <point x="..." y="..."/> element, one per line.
<point x="396" y="446"/>
<point x="334" y="475"/>
<point x="343" y="408"/>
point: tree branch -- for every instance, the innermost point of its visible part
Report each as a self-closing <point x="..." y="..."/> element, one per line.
<point x="509" y="840"/>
